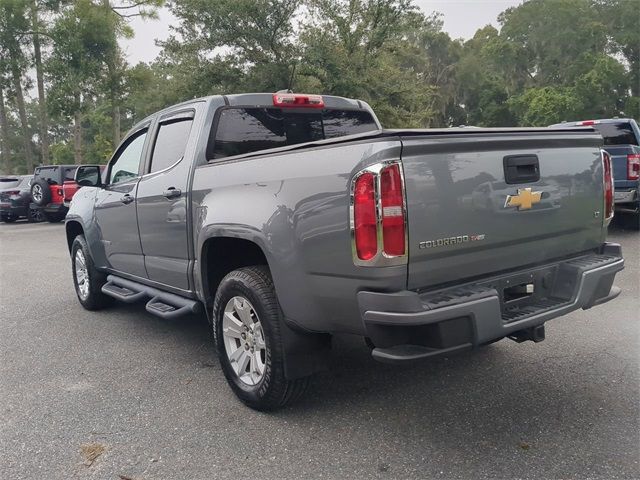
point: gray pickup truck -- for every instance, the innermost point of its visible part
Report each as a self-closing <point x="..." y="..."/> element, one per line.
<point x="288" y="218"/>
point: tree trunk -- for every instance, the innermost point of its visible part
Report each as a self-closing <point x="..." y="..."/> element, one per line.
<point x="22" y="113"/>
<point x="113" y="74"/>
<point x="113" y="78"/>
<point x="42" y="102"/>
<point x="77" y="132"/>
<point x="4" y="136"/>
<point x="115" y="119"/>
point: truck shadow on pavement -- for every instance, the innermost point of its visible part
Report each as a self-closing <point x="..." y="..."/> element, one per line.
<point x="624" y="223"/>
<point x="516" y="401"/>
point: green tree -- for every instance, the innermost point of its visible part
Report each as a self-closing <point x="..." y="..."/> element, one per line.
<point x="622" y="18"/>
<point x="13" y="63"/>
<point x="232" y="45"/>
<point x="542" y="106"/>
<point x="81" y="41"/>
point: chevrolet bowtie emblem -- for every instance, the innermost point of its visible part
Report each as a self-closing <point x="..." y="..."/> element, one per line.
<point x="524" y="200"/>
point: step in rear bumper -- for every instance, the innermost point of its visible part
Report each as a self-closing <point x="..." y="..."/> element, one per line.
<point x="404" y="323"/>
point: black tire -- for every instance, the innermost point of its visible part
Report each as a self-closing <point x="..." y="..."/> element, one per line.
<point x="35" y="215"/>
<point x="40" y="192"/>
<point x="55" y="217"/>
<point x="273" y="390"/>
<point x="95" y="299"/>
<point x="9" y="218"/>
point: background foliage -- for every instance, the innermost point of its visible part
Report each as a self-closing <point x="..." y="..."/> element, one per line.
<point x="67" y="93"/>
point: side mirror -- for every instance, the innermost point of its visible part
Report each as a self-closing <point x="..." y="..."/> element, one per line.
<point x="88" y="176"/>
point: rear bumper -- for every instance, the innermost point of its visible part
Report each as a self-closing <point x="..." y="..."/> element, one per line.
<point x="13" y="210"/>
<point x="408" y="325"/>
<point x="51" y="208"/>
<point x="626" y="199"/>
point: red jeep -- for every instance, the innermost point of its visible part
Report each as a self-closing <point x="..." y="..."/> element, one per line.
<point x="52" y="189"/>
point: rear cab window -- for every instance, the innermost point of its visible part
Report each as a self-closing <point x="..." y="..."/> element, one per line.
<point x="617" y="133"/>
<point x="243" y="130"/>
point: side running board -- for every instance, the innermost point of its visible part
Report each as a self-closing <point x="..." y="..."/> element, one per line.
<point x="163" y="304"/>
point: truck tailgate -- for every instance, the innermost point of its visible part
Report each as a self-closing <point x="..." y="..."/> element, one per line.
<point x="460" y="225"/>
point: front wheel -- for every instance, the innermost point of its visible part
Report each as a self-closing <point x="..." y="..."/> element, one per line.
<point x="9" y="218"/>
<point x="87" y="279"/>
<point x="246" y="324"/>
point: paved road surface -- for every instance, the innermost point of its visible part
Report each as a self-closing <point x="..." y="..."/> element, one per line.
<point x="148" y="398"/>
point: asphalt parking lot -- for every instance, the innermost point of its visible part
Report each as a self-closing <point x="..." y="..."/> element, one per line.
<point x="121" y="394"/>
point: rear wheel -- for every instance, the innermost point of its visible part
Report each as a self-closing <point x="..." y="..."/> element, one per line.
<point x="87" y="280"/>
<point x="246" y="324"/>
<point x="9" y="218"/>
<point x="55" y="217"/>
<point x="35" y="215"/>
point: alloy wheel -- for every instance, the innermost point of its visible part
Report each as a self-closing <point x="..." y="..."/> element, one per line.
<point x="82" y="275"/>
<point x="37" y="193"/>
<point x="244" y="340"/>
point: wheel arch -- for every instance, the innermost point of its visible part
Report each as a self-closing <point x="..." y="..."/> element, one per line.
<point x="73" y="229"/>
<point x="219" y="255"/>
<point x="305" y="352"/>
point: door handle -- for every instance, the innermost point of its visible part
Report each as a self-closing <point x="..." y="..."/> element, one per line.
<point x="172" y="192"/>
<point x="126" y="199"/>
<point x="521" y="168"/>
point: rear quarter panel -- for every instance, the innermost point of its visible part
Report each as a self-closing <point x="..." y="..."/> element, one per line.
<point x="295" y="206"/>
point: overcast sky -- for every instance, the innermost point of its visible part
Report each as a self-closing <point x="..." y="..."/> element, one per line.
<point x="461" y="19"/>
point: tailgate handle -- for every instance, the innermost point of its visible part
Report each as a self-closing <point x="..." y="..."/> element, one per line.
<point x="521" y="168"/>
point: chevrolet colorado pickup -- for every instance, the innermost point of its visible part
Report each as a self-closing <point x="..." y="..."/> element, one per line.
<point x="288" y="218"/>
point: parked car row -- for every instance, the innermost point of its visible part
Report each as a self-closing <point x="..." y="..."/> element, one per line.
<point x="45" y="195"/>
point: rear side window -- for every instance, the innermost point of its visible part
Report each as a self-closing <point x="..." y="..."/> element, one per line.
<point x="9" y="183"/>
<point x="50" y="174"/>
<point x="617" y="133"/>
<point x="246" y="130"/>
<point x="171" y="144"/>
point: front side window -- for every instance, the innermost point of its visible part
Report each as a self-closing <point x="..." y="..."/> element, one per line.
<point x="171" y="143"/>
<point x="247" y="130"/>
<point x="69" y="173"/>
<point x="127" y="162"/>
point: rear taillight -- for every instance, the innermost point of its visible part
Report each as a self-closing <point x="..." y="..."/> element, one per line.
<point x="392" y="210"/>
<point x="365" y="218"/>
<point x="633" y="166"/>
<point x="608" y="187"/>
<point x="13" y="193"/>
<point x="297" y="100"/>
<point x="378" y="219"/>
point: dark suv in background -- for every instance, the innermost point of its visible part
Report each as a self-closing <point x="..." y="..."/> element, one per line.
<point x="15" y="197"/>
